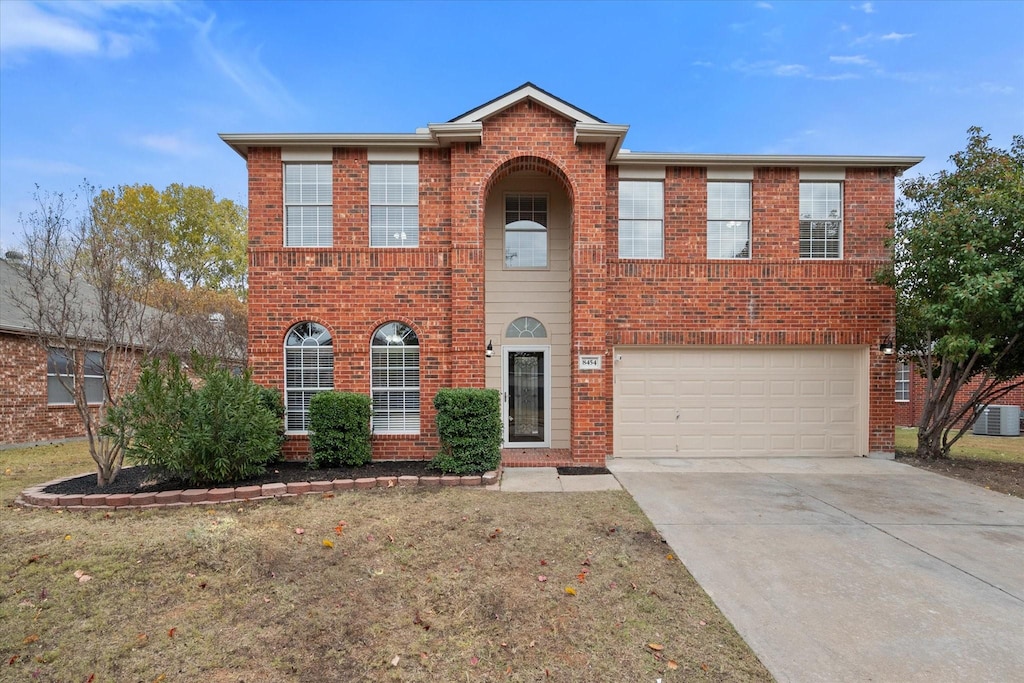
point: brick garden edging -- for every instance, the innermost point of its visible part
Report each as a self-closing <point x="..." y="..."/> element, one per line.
<point x="33" y="496"/>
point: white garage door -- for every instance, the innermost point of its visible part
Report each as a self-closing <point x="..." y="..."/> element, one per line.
<point x="729" y="401"/>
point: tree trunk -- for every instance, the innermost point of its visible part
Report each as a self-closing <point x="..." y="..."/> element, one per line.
<point x="929" y="442"/>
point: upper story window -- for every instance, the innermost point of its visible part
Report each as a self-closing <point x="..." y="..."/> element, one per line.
<point x="728" y="220"/>
<point x="641" y="219"/>
<point x="395" y="379"/>
<point x="526" y="231"/>
<point x="308" y="368"/>
<point x="902" y="382"/>
<point x="307" y="205"/>
<point x="394" y="205"/>
<point x="821" y="220"/>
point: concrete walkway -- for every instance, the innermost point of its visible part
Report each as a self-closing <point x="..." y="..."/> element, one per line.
<point x="533" y="479"/>
<point x="848" y="569"/>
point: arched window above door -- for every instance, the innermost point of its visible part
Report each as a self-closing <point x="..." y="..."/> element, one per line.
<point x="526" y="328"/>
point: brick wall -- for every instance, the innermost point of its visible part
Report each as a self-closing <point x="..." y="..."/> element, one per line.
<point x="25" y="416"/>
<point x="775" y="298"/>
<point x="907" y="413"/>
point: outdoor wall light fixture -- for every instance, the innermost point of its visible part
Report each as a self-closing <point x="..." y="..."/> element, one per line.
<point x="887" y="347"/>
<point x="490" y="349"/>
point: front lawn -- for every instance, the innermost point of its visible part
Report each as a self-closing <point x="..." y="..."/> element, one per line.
<point x="994" y="462"/>
<point x="403" y="584"/>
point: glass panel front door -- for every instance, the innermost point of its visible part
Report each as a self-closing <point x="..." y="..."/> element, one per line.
<point x="525" y="397"/>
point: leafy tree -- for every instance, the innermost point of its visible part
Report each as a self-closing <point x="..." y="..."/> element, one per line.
<point x="959" y="278"/>
<point x="200" y="240"/>
<point x="83" y="292"/>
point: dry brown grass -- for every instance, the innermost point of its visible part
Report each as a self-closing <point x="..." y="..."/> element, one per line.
<point x="420" y="585"/>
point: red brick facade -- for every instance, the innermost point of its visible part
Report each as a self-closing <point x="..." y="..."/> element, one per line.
<point x="907" y="413"/>
<point x="772" y="299"/>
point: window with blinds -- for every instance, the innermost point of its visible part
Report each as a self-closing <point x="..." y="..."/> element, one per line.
<point x="395" y="379"/>
<point x="641" y="219"/>
<point x="308" y="369"/>
<point x="728" y="220"/>
<point x="821" y="220"/>
<point x="307" y="205"/>
<point x="394" y="205"/>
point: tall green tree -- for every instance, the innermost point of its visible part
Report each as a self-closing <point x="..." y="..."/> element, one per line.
<point x="958" y="270"/>
<point x="202" y="240"/>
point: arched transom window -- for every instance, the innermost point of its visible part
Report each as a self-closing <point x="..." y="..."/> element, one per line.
<point x="526" y="328"/>
<point x="308" y="368"/>
<point x="395" y="379"/>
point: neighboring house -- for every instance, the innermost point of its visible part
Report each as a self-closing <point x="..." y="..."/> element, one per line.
<point x="910" y="393"/>
<point x="624" y="304"/>
<point x="34" y="405"/>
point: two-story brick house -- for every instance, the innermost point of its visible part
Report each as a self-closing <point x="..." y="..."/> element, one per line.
<point x="625" y="304"/>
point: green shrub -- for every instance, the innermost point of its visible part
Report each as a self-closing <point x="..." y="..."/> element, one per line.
<point x="218" y="432"/>
<point x="469" y="426"/>
<point x="339" y="429"/>
<point x="271" y="400"/>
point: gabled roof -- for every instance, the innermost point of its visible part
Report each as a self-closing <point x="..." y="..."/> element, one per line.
<point x="527" y="91"/>
<point x="589" y="129"/>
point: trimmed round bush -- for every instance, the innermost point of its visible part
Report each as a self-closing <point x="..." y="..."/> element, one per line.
<point x="339" y="429"/>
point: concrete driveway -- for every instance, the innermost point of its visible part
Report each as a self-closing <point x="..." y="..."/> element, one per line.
<point x="848" y="569"/>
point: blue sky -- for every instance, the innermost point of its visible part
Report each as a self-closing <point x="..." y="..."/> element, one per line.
<point x="136" y="92"/>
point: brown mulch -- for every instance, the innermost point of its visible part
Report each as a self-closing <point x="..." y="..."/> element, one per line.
<point x="143" y="479"/>
<point x="1004" y="477"/>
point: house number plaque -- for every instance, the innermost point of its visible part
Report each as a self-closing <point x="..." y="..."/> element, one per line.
<point x="590" y="362"/>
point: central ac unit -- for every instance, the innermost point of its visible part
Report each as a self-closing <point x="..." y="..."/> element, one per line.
<point x="998" y="421"/>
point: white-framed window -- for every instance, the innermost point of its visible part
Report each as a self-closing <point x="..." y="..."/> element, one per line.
<point x="641" y="219"/>
<point x="60" y="377"/>
<point x="728" y="220"/>
<point x="526" y="231"/>
<point x="307" y="205"/>
<point x="526" y="328"/>
<point x="394" y="205"/>
<point x="821" y="220"/>
<point x="308" y="369"/>
<point x="395" y="379"/>
<point x="902" y="382"/>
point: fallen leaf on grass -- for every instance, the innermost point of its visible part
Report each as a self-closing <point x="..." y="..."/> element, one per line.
<point x="582" y="576"/>
<point x="542" y="578"/>
<point x="160" y="679"/>
<point x="569" y="590"/>
<point x="704" y="666"/>
<point x="82" y="576"/>
<point x="171" y="632"/>
<point x="12" y="660"/>
<point x="543" y="563"/>
<point x="92" y="677"/>
<point x="30" y="639"/>
<point x="657" y="647"/>
<point x="669" y="557"/>
<point x="495" y="534"/>
<point x="395" y="660"/>
<point x="672" y="665"/>
<point x="340" y="528"/>
<point x="328" y="543"/>
<point x="299" y="530"/>
<point x="474" y="660"/>
<point x="67" y="537"/>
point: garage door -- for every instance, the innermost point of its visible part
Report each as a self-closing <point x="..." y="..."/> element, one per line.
<point x="729" y="401"/>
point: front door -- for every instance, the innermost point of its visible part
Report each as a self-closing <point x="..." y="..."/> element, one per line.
<point x="527" y="396"/>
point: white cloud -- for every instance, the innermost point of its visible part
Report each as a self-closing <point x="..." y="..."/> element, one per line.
<point x="107" y="28"/>
<point x="170" y="144"/>
<point x="859" y="60"/>
<point x="701" y="62"/>
<point x="24" y="26"/>
<point x="47" y="167"/>
<point x="763" y="5"/>
<point x="865" y="7"/>
<point x="790" y="70"/>
<point x="897" y="37"/>
<point x="243" y="67"/>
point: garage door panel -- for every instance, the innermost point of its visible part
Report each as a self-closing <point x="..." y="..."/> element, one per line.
<point x="738" y="402"/>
